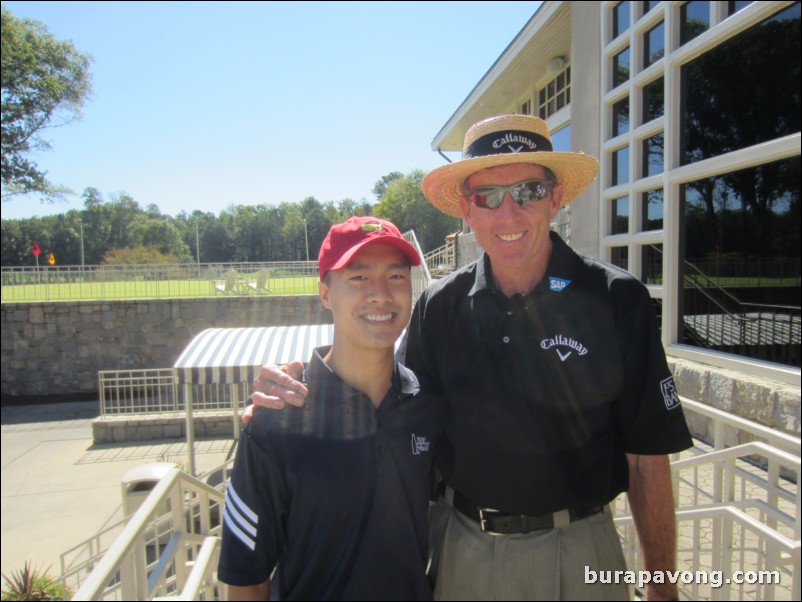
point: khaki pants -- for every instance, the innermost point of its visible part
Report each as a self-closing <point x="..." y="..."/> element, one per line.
<point x="546" y="565"/>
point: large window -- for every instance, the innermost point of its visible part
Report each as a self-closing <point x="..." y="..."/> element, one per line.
<point x="743" y="92"/>
<point x="701" y="170"/>
<point x="741" y="262"/>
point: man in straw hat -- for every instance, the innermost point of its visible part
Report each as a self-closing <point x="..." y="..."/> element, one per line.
<point x="559" y="393"/>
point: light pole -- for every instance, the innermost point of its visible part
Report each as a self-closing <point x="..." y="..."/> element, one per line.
<point x="306" y="237"/>
<point x="82" y="245"/>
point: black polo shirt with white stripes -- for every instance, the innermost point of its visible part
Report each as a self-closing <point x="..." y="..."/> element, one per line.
<point x="335" y="493"/>
<point x="547" y="391"/>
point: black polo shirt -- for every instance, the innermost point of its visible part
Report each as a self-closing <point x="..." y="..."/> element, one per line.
<point x="335" y="493"/>
<point x="548" y="390"/>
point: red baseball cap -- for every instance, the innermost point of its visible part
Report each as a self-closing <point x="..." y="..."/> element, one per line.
<point x="346" y="239"/>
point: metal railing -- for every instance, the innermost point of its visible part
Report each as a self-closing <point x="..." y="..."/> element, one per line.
<point x="732" y="516"/>
<point x="715" y="319"/>
<point x="107" y="282"/>
<point x="156" y="391"/>
<point x="442" y="261"/>
<point x="738" y="509"/>
<point x="157" y="555"/>
<point x="79" y="562"/>
<point x="421" y="277"/>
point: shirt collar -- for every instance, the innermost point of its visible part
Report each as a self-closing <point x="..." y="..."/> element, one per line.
<point x="318" y="374"/>
<point x="562" y="265"/>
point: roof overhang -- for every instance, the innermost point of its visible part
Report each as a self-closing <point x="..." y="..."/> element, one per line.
<point x="521" y="67"/>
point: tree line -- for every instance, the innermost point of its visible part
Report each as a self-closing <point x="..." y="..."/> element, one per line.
<point x="117" y="229"/>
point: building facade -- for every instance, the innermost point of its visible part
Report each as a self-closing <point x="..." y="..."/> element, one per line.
<point x="693" y="109"/>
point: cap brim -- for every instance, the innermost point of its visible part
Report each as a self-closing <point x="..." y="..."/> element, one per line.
<point x="443" y="186"/>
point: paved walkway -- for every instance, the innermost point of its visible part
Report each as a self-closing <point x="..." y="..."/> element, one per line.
<point x="59" y="489"/>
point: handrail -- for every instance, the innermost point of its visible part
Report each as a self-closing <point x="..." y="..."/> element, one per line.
<point x="198" y="578"/>
<point x="421" y="277"/>
<point x="120" y="556"/>
<point x="771" y="519"/>
<point x="775" y="438"/>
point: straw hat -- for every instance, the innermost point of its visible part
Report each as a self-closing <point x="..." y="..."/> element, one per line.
<point x="500" y="141"/>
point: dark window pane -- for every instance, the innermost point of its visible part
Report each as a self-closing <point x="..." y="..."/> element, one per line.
<point x="652" y="264"/>
<point x="652" y="210"/>
<point x="560" y="101"/>
<point x="741" y="262"/>
<point x="653" y="45"/>
<point x="647" y="5"/>
<point x="621" y="67"/>
<point x="734" y="7"/>
<point x="743" y="92"/>
<point x="620" y="18"/>
<point x="653" y="155"/>
<point x="653" y="100"/>
<point x="620" y="123"/>
<point x="620" y="173"/>
<point x="620" y="256"/>
<point x="620" y="217"/>
<point x="694" y="20"/>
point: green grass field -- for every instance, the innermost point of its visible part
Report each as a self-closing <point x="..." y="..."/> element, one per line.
<point x="164" y="289"/>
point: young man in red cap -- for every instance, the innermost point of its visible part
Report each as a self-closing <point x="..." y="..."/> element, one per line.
<point x="334" y="495"/>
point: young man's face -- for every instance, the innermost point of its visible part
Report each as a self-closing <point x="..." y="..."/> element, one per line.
<point x="371" y="298"/>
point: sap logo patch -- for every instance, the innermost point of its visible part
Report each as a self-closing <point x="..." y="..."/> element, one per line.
<point x="669" y="392"/>
<point x="558" y="285"/>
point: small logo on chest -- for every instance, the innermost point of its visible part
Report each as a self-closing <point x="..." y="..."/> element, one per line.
<point x="420" y="445"/>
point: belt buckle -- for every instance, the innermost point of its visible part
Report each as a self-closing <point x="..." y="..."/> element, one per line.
<point x="483" y="520"/>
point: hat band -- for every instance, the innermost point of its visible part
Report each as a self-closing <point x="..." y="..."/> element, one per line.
<point x="507" y="142"/>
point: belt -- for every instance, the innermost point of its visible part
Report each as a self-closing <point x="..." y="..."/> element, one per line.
<point x="494" y="521"/>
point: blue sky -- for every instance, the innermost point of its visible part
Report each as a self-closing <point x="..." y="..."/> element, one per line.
<point x="199" y="105"/>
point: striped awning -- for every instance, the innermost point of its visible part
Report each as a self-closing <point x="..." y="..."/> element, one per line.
<point x="234" y="355"/>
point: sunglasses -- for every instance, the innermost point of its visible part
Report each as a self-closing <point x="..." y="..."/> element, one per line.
<point x="524" y="193"/>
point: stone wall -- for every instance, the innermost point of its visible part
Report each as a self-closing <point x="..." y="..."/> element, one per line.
<point x="770" y="403"/>
<point x="57" y="348"/>
<point x="153" y="427"/>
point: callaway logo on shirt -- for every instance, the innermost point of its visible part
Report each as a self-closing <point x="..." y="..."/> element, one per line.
<point x="564" y="346"/>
